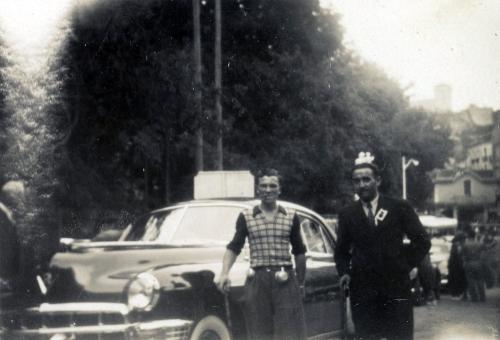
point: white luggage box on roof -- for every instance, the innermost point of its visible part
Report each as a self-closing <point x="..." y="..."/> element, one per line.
<point x="223" y="184"/>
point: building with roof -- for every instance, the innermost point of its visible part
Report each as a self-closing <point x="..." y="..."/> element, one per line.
<point x="471" y="195"/>
<point x="469" y="189"/>
<point x="478" y="146"/>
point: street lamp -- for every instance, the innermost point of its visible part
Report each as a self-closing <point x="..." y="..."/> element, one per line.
<point x="405" y="165"/>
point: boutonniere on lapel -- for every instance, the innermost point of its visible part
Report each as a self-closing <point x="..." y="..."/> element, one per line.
<point x="381" y="215"/>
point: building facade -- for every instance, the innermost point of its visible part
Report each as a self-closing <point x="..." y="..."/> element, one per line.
<point x="470" y="195"/>
<point x="480" y="156"/>
<point x="469" y="190"/>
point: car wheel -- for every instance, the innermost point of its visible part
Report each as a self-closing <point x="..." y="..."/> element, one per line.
<point x="210" y="328"/>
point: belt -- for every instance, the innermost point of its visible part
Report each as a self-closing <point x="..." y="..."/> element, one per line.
<point x="272" y="268"/>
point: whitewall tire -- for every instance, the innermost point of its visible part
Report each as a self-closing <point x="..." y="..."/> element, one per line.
<point x="210" y="328"/>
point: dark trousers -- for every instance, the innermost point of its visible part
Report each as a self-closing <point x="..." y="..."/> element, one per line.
<point x="273" y="310"/>
<point x="475" y="280"/>
<point x="381" y="317"/>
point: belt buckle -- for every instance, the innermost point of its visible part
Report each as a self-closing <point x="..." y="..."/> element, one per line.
<point x="281" y="276"/>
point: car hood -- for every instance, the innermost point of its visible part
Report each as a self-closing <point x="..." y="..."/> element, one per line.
<point x="101" y="272"/>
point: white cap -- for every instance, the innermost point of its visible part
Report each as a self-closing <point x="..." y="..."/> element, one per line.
<point x="364" y="158"/>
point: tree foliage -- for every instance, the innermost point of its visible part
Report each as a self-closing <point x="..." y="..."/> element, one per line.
<point x="30" y="104"/>
<point x="294" y="98"/>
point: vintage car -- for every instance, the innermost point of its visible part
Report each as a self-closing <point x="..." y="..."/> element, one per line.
<point x="157" y="281"/>
<point x="440" y="253"/>
<point x="441" y="229"/>
<point x="433" y="271"/>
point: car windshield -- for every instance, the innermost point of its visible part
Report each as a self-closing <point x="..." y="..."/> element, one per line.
<point x="186" y="225"/>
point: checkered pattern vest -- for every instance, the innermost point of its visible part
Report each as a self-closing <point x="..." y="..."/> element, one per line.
<point x="269" y="241"/>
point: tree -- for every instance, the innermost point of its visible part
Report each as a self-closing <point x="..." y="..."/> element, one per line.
<point x="294" y="98"/>
<point x="423" y="136"/>
<point x="29" y="105"/>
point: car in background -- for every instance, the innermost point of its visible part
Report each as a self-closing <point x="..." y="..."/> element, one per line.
<point x="441" y="229"/>
<point x="157" y="280"/>
<point x="439" y="226"/>
<point x="440" y="253"/>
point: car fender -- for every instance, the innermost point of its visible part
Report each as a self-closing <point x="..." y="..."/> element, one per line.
<point x="191" y="290"/>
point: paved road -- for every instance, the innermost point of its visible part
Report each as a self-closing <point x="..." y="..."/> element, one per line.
<point x="457" y="320"/>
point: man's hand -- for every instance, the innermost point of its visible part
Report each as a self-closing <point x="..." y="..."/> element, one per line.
<point x="345" y="280"/>
<point x="224" y="283"/>
<point x="413" y="273"/>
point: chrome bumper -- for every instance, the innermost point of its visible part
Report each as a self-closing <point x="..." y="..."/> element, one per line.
<point x="111" y="321"/>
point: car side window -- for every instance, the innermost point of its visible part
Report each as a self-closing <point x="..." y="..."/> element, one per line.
<point x="314" y="236"/>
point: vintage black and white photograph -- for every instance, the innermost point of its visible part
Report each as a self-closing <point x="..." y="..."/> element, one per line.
<point x="250" y="169"/>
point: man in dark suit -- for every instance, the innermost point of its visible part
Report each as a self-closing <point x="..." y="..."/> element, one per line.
<point x="373" y="259"/>
<point x="11" y="195"/>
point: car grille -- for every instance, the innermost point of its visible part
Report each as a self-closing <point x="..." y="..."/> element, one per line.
<point x="35" y="321"/>
<point x="87" y="322"/>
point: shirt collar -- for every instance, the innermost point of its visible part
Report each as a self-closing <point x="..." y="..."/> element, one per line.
<point x="374" y="203"/>
<point x="257" y="210"/>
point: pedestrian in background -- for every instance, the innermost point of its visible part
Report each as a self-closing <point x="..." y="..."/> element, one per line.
<point x="11" y="202"/>
<point x="273" y="289"/>
<point x="374" y="261"/>
<point x="489" y="258"/>
<point x="457" y="281"/>
<point x="428" y="280"/>
<point x="473" y="265"/>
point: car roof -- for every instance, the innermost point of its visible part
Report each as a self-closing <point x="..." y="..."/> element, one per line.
<point x="239" y="202"/>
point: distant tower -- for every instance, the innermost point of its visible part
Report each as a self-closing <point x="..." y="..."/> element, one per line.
<point x="442" y="98"/>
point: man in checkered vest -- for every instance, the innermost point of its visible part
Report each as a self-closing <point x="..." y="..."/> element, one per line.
<point x="273" y="289"/>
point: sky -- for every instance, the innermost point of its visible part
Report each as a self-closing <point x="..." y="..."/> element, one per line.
<point x="428" y="42"/>
<point x="30" y="23"/>
<point x="418" y="43"/>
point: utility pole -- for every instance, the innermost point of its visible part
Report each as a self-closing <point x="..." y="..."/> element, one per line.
<point x="197" y="84"/>
<point x="404" y="166"/>
<point x="218" y="83"/>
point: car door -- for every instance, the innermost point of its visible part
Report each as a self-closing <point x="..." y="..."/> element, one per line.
<point x="322" y="293"/>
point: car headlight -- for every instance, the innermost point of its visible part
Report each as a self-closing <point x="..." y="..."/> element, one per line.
<point x="143" y="292"/>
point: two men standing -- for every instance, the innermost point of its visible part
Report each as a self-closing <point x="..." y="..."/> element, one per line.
<point x="373" y="258"/>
